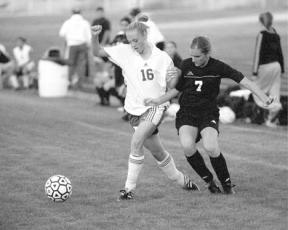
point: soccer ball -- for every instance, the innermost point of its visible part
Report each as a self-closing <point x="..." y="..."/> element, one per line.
<point x="58" y="188"/>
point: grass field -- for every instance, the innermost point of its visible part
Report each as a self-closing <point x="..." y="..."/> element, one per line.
<point x="90" y="145"/>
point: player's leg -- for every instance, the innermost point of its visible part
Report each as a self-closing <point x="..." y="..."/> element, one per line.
<point x="166" y="163"/>
<point x="211" y="146"/>
<point x="136" y="156"/>
<point x="72" y="56"/>
<point x="188" y="135"/>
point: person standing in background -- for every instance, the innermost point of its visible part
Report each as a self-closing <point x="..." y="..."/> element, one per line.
<point x="77" y="34"/>
<point x="104" y="36"/>
<point x="268" y="64"/>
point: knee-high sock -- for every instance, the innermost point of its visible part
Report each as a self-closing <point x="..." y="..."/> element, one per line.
<point x="197" y="163"/>
<point x="169" y="168"/>
<point x="220" y="167"/>
<point x="135" y="164"/>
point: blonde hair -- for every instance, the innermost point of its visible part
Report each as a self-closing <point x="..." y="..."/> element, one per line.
<point x="139" y="26"/>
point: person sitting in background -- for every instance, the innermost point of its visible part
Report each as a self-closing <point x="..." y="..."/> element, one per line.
<point x="77" y="35"/>
<point x="268" y="64"/>
<point x="7" y="67"/>
<point x="154" y="35"/>
<point x="24" y="63"/>
<point x="104" y="81"/>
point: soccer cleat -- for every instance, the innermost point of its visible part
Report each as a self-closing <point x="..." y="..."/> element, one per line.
<point x="228" y="188"/>
<point x="189" y="185"/>
<point x="124" y="195"/>
<point x="213" y="187"/>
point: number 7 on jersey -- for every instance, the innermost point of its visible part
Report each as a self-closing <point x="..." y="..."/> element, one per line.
<point x="199" y="85"/>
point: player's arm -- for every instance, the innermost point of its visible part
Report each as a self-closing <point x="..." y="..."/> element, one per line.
<point x="172" y="76"/>
<point x="160" y="100"/>
<point x="97" y="48"/>
<point x="245" y="82"/>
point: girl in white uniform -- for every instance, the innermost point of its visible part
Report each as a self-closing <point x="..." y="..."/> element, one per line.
<point x="147" y="72"/>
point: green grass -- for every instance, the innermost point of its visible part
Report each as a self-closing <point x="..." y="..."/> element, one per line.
<point x="90" y="145"/>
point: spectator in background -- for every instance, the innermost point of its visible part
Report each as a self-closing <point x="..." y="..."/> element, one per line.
<point x="154" y="35"/>
<point x="24" y="63"/>
<point x="171" y="49"/>
<point x="268" y="64"/>
<point x="77" y="34"/>
<point x="7" y="67"/>
<point x="120" y="87"/>
<point x="104" y="36"/>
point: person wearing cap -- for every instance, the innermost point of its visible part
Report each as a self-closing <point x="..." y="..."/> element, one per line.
<point x="77" y="34"/>
<point x="268" y="64"/>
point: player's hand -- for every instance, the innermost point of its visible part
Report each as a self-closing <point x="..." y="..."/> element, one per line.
<point x="273" y="104"/>
<point x="151" y="102"/>
<point x="96" y="30"/>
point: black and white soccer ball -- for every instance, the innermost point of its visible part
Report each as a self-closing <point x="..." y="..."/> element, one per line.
<point x="58" y="188"/>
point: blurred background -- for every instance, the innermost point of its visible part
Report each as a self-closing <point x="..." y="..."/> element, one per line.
<point x="232" y="26"/>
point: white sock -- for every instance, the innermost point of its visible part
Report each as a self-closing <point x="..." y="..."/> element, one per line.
<point x="169" y="168"/>
<point x="135" y="164"/>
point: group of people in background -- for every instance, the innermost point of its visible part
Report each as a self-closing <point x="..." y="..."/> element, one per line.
<point x="18" y="71"/>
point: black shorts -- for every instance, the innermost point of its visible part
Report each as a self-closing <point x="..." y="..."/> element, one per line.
<point x="200" y="120"/>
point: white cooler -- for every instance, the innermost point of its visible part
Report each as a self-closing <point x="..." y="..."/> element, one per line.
<point x="52" y="79"/>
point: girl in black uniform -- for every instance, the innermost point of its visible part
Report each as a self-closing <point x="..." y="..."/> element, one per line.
<point x="199" y="115"/>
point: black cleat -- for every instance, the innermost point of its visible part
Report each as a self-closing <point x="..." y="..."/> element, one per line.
<point x="124" y="195"/>
<point x="228" y="188"/>
<point x="213" y="187"/>
<point x="189" y="185"/>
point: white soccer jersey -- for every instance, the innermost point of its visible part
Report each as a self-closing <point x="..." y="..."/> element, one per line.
<point x="144" y="78"/>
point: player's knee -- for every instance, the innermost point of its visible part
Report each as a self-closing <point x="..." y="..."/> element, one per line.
<point x="211" y="148"/>
<point x="189" y="148"/>
<point x="136" y="144"/>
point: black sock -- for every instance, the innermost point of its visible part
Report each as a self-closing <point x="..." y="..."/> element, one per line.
<point x="221" y="170"/>
<point x="197" y="163"/>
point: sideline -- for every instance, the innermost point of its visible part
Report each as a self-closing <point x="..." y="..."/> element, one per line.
<point x="278" y="17"/>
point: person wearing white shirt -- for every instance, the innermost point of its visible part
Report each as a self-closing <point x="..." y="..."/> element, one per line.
<point x="145" y="72"/>
<point x="77" y="34"/>
<point x="24" y="63"/>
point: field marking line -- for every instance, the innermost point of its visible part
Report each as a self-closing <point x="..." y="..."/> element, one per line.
<point x="261" y="131"/>
<point x="173" y="144"/>
<point x="237" y="20"/>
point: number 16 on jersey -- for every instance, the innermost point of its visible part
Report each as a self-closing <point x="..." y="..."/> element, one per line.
<point x="147" y="74"/>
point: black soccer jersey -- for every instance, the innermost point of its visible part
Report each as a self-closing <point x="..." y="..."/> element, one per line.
<point x="200" y="85"/>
